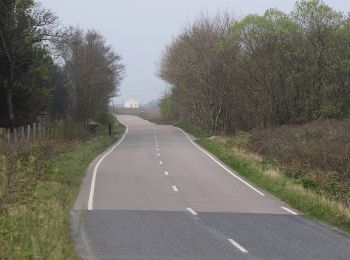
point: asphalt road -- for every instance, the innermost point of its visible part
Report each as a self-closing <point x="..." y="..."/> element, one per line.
<point x="156" y="195"/>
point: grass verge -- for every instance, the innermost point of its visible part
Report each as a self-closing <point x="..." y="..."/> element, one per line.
<point x="193" y="130"/>
<point x="35" y="222"/>
<point x="270" y="177"/>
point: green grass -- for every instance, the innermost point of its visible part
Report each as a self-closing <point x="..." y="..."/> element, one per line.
<point x="193" y="130"/>
<point x="271" y="178"/>
<point x="36" y="224"/>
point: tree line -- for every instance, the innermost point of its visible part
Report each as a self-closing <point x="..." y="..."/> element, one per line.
<point x="264" y="70"/>
<point x="45" y="69"/>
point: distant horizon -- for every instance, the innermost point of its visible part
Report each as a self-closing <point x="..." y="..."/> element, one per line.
<point x="121" y="102"/>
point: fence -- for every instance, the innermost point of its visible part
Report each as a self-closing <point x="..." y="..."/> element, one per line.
<point x="26" y="134"/>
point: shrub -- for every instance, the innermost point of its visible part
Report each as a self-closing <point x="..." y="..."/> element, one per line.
<point x="318" y="153"/>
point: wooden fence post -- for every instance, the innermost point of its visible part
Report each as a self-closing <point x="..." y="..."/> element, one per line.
<point x="22" y="134"/>
<point x="28" y="133"/>
<point x="8" y="135"/>
<point x="15" y="135"/>
<point x="2" y="137"/>
<point x="34" y="132"/>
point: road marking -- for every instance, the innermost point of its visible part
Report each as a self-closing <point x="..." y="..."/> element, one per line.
<point x="241" y="248"/>
<point x="157" y="149"/>
<point x="158" y="154"/>
<point x="166" y="173"/>
<point x="160" y="162"/>
<point x="220" y="164"/>
<point x="290" y="211"/>
<point x="92" y="188"/>
<point x="175" y="188"/>
<point x="192" y="211"/>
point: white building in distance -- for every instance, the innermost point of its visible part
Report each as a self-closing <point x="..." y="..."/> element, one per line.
<point x="131" y="103"/>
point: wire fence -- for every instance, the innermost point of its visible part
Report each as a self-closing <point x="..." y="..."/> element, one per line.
<point x="29" y="133"/>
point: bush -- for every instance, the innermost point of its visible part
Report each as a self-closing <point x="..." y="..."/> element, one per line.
<point x="318" y="153"/>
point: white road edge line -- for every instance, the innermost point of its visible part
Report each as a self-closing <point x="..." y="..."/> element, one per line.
<point x="175" y="188"/>
<point x="92" y="188"/>
<point x="220" y="164"/>
<point x="192" y="211"/>
<point x="290" y="211"/>
<point x="241" y="248"/>
<point x="166" y="173"/>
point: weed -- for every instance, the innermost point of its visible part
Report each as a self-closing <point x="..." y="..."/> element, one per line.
<point x="39" y="184"/>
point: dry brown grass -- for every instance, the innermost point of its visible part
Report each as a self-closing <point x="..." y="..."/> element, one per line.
<point x="317" y="154"/>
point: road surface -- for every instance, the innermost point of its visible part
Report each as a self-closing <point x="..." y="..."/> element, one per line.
<point x="156" y="195"/>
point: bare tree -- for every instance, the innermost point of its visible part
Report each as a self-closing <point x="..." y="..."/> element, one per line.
<point x="94" y="71"/>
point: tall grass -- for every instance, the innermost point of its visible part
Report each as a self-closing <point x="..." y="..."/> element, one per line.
<point x="271" y="178"/>
<point x="305" y="165"/>
<point x="316" y="154"/>
<point x="39" y="183"/>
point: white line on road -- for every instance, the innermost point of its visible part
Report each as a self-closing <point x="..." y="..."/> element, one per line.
<point x="157" y="149"/>
<point x="290" y="211"/>
<point x="158" y="154"/>
<point x="160" y="162"/>
<point x="220" y="164"/>
<point x="92" y="188"/>
<point x="241" y="248"/>
<point x="175" y="188"/>
<point x="166" y="173"/>
<point x="192" y="211"/>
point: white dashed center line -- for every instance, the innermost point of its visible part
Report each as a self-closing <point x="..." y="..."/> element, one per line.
<point x="192" y="211"/>
<point x="175" y="188"/>
<point x="160" y="162"/>
<point x="241" y="248"/>
<point x="166" y="173"/>
<point x="158" y="154"/>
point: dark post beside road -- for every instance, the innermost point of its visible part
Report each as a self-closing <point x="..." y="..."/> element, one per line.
<point x="110" y="129"/>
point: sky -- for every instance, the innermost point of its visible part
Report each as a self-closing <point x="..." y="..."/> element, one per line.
<point x="139" y="30"/>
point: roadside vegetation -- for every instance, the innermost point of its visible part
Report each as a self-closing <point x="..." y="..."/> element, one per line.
<point x="319" y="194"/>
<point x="273" y="92"/>
<point x="228" y="75"/>
<point x="39" y="183"/>
<point x="48" y="72"/>
<point x="63" y="80"/>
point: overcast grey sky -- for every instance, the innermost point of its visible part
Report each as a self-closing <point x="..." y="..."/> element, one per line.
<point x="140" y="29"/>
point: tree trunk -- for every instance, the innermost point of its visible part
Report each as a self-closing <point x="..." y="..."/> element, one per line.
<point x="9" y="106"/>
